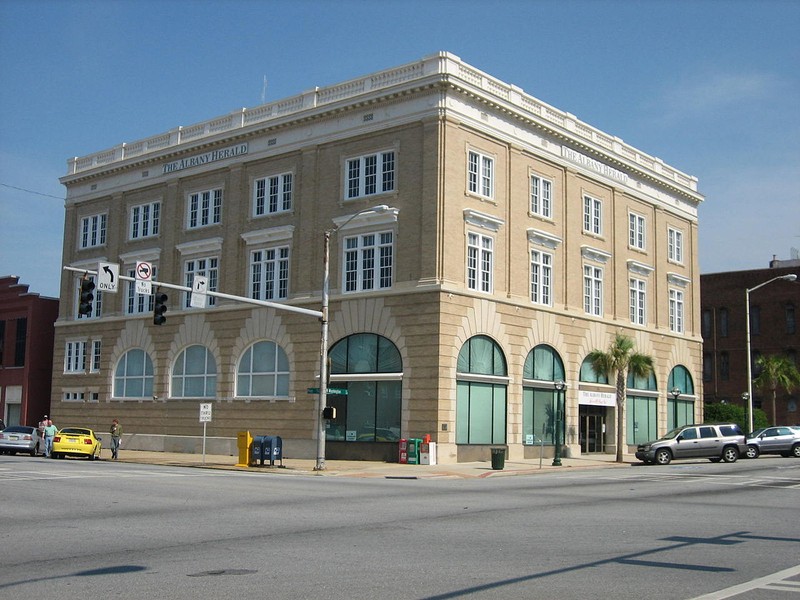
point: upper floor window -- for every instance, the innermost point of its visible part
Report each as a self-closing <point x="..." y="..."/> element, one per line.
<point x="636" y="231"/>
<point x="97" y="346"/>
<point x="707" y="321"/>
<point x="723" y="322"/>
<point x="593" y="290"/>
<point x="93" y="231"/>
<point x="638" y="301"/>
<point x="205" y="267"/>
<point x="368" y="261"/>
<point x="194" y="374"/>
<point x="205" y="208"/>
<point x="541" y="277"/>
<point x="371" y="174"/>
<point x="20" y="342"/>
<point x="481" y="174"/>
<point x="676" y="311"/>
<point x="273" y="194"/>
<point x="136" y="304"/>
<point x="755" y="320"/>
<point x="541" y="196"/>
<point x="75" y="357"/>
<point x="269" y="273"/>
<point x="791" y="320"/>
<point x="145" y="220"/>
<point x="480" y="256"/>
<point x="592" y="215"/>
<point x="675" y="245"/>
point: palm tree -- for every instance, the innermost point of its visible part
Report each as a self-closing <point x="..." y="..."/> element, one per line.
<point x="776" y="372"/>
<point x="621" y="359"/>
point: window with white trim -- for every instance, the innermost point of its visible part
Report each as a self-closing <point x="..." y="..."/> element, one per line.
<point x="205" y="267"/>
<point x="636" y="231"/>
<point x="541" y="196"/>
<point x="204" y="208"/>
<point x="675" y="245"/>
<point x="593" y="290"/>
<point x="480" y="258"/>
<point x="269" y="273"/>
<point x="676" y="311"/>
<point x="541" y="277"/>
<point x="480" y="171"/>
<point x="137" y="304"/>
<point x="145" y="220"/>
<point x="93" y="231"/>
<point x="75" y="357"/>
<point x="194" y="373"/>
<point x="263" y="371"/>
<point x="273" y="194"/>
<point x="638" y="300"/>
<point x="592" y="215"/>
<point x="368" y="262"/>
<point x="95" y="365"/>
<point x="73" y="396"/>
<point x="370" y="174"/>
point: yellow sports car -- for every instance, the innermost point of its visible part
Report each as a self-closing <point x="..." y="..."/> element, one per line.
<point x="76" y="441"/>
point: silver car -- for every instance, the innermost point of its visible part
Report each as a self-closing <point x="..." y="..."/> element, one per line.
<point x="714" y="441"/>
<point x="19" y="438"/>
<point x="774" y="440"/>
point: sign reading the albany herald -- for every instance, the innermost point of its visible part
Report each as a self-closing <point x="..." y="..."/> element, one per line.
<point x="205" y="158"/>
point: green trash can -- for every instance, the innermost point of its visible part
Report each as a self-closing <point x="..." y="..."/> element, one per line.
<point x="498" y="458"/>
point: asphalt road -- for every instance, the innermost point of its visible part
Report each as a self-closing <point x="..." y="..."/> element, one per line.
<point x="82" y="529"/>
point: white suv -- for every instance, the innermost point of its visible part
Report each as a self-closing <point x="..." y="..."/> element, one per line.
<point x="715" y="441"/>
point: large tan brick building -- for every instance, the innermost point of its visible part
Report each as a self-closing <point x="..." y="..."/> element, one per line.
<point x="510" y="240"/>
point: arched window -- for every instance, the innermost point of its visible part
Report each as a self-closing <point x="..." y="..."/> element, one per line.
<point x="194" y="374"/>
<point x="589" y="375"/>
<point x="481" y="392"/>
<point x="641" y="409"/>
<point x="680" y="410"/>
<point x="370" y="368"/>
<point x="541" y="402"/>
<point x="133" y="377"/>
<point x="263" y="372"/>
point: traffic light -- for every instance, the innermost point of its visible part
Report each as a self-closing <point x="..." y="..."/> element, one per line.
<point x="87" y="297"/>
<point x="329" y="412"/>
<point x="159" y="308"/>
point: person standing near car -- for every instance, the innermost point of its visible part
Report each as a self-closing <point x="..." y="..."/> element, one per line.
<point x="116" y="438"/>
<point x="49" y="432"/>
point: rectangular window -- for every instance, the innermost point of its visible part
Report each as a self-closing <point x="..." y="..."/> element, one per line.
<point x="137" y="304"/>
<point x="724" y="366"/>
<point x="74" y="396"/>
<point x="93" y="231"/>
<point x="20" y="341"/>
<point x="541" y="277"/>
<point x="368" y="262"/>
<point x="541" y="196"/>
<point x="676" y="311"/>
<point x="479" y="262"/>
<point x="205" y="267"/>
<point x="723" y="322"/>
<point x="75" y="357"/>
<point x="638" y="301"/>
<point x="636" y="228"/>
<point x="273" y="194"/>
<point x="708" y="366"/>
<point x="145" y="220"/>
<point x="593" y="290"/>
<point x="592" y="215"/>
<point x="205" y="208"/>
<point x="369" y="175"/>
<point x="95" y="368"/>
<point x="675" y="245"/>
<point x="755" y="320"/>
<point x="269" y="274"/>
<point x="481" y="175"/>
<point x="791" y="320"/>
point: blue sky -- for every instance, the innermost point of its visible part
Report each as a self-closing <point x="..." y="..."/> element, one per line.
<point x="712" y="87"/>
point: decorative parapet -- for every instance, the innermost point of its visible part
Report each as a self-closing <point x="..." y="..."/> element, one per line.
<point x="443" y="65"/>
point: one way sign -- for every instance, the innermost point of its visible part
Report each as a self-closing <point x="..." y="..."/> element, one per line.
<point x="107" y="277"/>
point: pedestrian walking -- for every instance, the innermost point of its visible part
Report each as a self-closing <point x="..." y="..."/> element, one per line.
<point x="116" y="438"/>
<point x="50" y="431"/>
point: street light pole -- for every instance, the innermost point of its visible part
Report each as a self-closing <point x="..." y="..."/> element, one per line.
<point x="559" y="385"/>
<point x="788" y="277"/>
<point x="323" y="348"/>
<point x="675" y="392"/>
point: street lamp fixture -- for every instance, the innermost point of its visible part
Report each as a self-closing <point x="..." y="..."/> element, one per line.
<point x="559" y="385"/>
<point x="749" y="400"/>
<point x="323" y="349"/>
<point x="675" y="393"/>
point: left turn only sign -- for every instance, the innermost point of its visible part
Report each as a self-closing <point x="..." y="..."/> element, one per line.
<point x="107" y="277"/>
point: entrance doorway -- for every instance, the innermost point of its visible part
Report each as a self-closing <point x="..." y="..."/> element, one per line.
<point x="593" y="428"/>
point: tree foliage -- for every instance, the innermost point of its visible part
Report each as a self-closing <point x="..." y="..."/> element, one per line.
<point x="777" y="371"/>
<point x="719" y="412"/>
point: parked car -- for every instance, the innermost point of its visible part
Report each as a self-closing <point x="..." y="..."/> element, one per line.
<point x="19" y="438"/>
<point x="714" y="441"/>
<point x="76" y="441"/>
<point x="774" y="440"/>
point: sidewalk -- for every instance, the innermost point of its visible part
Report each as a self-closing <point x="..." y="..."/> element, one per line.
<point x="365" y="469"/>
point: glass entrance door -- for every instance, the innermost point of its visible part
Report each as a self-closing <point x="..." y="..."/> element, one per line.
<point x="592" y="429"/>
